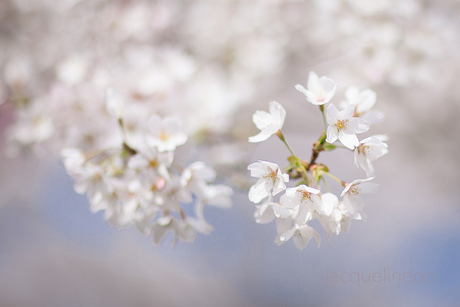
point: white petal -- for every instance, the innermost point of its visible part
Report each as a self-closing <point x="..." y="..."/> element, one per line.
<point x="264" y="215"/>
<point x="301" y="89"/>
<point x="347" y="113"/>
<point x="313" y="81"/>
<point x="367" y="100"/>
<point x="330" y="201"/>
<point x="278" y="113"/>
<point x="318" y="204"/>
<point x="283" y="225"/>
<point x="138" y="162"/>
<point x="261" y="119"/>
<point x="363" y="125"/>
<point x="368" y="187"/>
<point x="281" y="211"/>
<point x="332" y="114"/>
<point x="262" y="136"/>
<point x="257" y="169"/>
<point x="285" y="236"/>
<point x="332" y="134"/>
<point x="373" y="116"/>
<point x="257" y="192"/>
<point x="348" y="140"/>
<point x="300" y="242"/>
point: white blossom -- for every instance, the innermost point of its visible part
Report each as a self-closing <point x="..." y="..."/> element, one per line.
<point x="367" y="152"/>
<point x="300" y="234"/>
<point x="114" y="103"/>
<point x="319" y="90"/>
<point x="268" y="123"/>
<point x="165" y="133"/>
<point x="344" y="126"/>
<point x="363" y="101"/>
<point x="305" y="198"/>
<point x="352" y="195"/>
<point x="271" y="182"/>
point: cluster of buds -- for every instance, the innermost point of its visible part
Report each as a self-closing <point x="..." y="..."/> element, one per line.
<point x="139" y="183"/>
<point x="306" y="201"/>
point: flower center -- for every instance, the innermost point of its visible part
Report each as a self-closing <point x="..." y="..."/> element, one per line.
<point x="354" y="190"/>
<point x="304" y="196"/>
<point x="271" y="175"/>
<point x="362" y="149"/>
<point x="320" y="96"/>
<point x="163" y="136"/>
<point x="153" y="163"/>
<point x="342" y="124"/>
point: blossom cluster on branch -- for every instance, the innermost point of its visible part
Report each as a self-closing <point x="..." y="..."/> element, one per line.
<point x="306" y="201"/>
<point x="138" y="183"/>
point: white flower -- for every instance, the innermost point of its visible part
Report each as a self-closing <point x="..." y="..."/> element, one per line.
<point x="151" y="163"/>
<point x="194" y="179"/>
<point x="166" y="134"/>
<point x="351" y="195"/>
<point x="305" y="198"/>
<point x="363" y="102"/>
<point x="271" y="178"/>
<point x="180" y="229"/>
<point x="90" y="179"/>
<point x="268" y="123"/>
<point x="368" y="151"/>
<point x="344" y="126"/>
<point x="319" y="90"/>
<point x="264" y="213"/>
<point x="114" y="103"/>
<point x="331" y="219"/>
<point x="73" y="158"/>
<point x="301" y="235"/>
<point x="73" y="70"/>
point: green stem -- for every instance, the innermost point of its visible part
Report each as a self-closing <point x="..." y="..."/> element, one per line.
<point x="297" y="160"/>
<point x="325" y="183"/>
<point x="321" y="107"/>
<point x="281" y="136"/>
<point x="343" y="183"/>
<point x="341" y="146"/>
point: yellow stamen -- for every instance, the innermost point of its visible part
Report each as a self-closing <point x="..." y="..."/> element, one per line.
<point x="271" y="175"/>
<point x="342" y="124"/>
<point x="163" y="136"/>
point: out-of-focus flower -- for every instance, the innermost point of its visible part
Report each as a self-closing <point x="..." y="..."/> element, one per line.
<point x="114" y="103"/>
<point x="363" y="102"/>
<point x="165" y="133"/>
<point x="319" y="90"/>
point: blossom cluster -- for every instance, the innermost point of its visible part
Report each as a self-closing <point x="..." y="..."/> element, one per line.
<point x="200" y="62"/>
<point x="137" y="184"/>
<point x="304" y="202"/>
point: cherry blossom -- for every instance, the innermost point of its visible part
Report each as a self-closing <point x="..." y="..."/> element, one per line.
<point x="165" y="133"/>
<point x="343" y="126"/>
<point x="367" y="152"/>
<point x="268" y="123"/>
<point x="271" y="182"/>
<point x="352" y="195"/>
<point x="319" y="90"/>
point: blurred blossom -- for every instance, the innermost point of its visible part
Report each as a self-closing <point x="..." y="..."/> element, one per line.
<point x="148" y="105"/>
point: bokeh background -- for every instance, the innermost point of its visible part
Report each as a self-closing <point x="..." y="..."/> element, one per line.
<point x="217" y="62"/>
